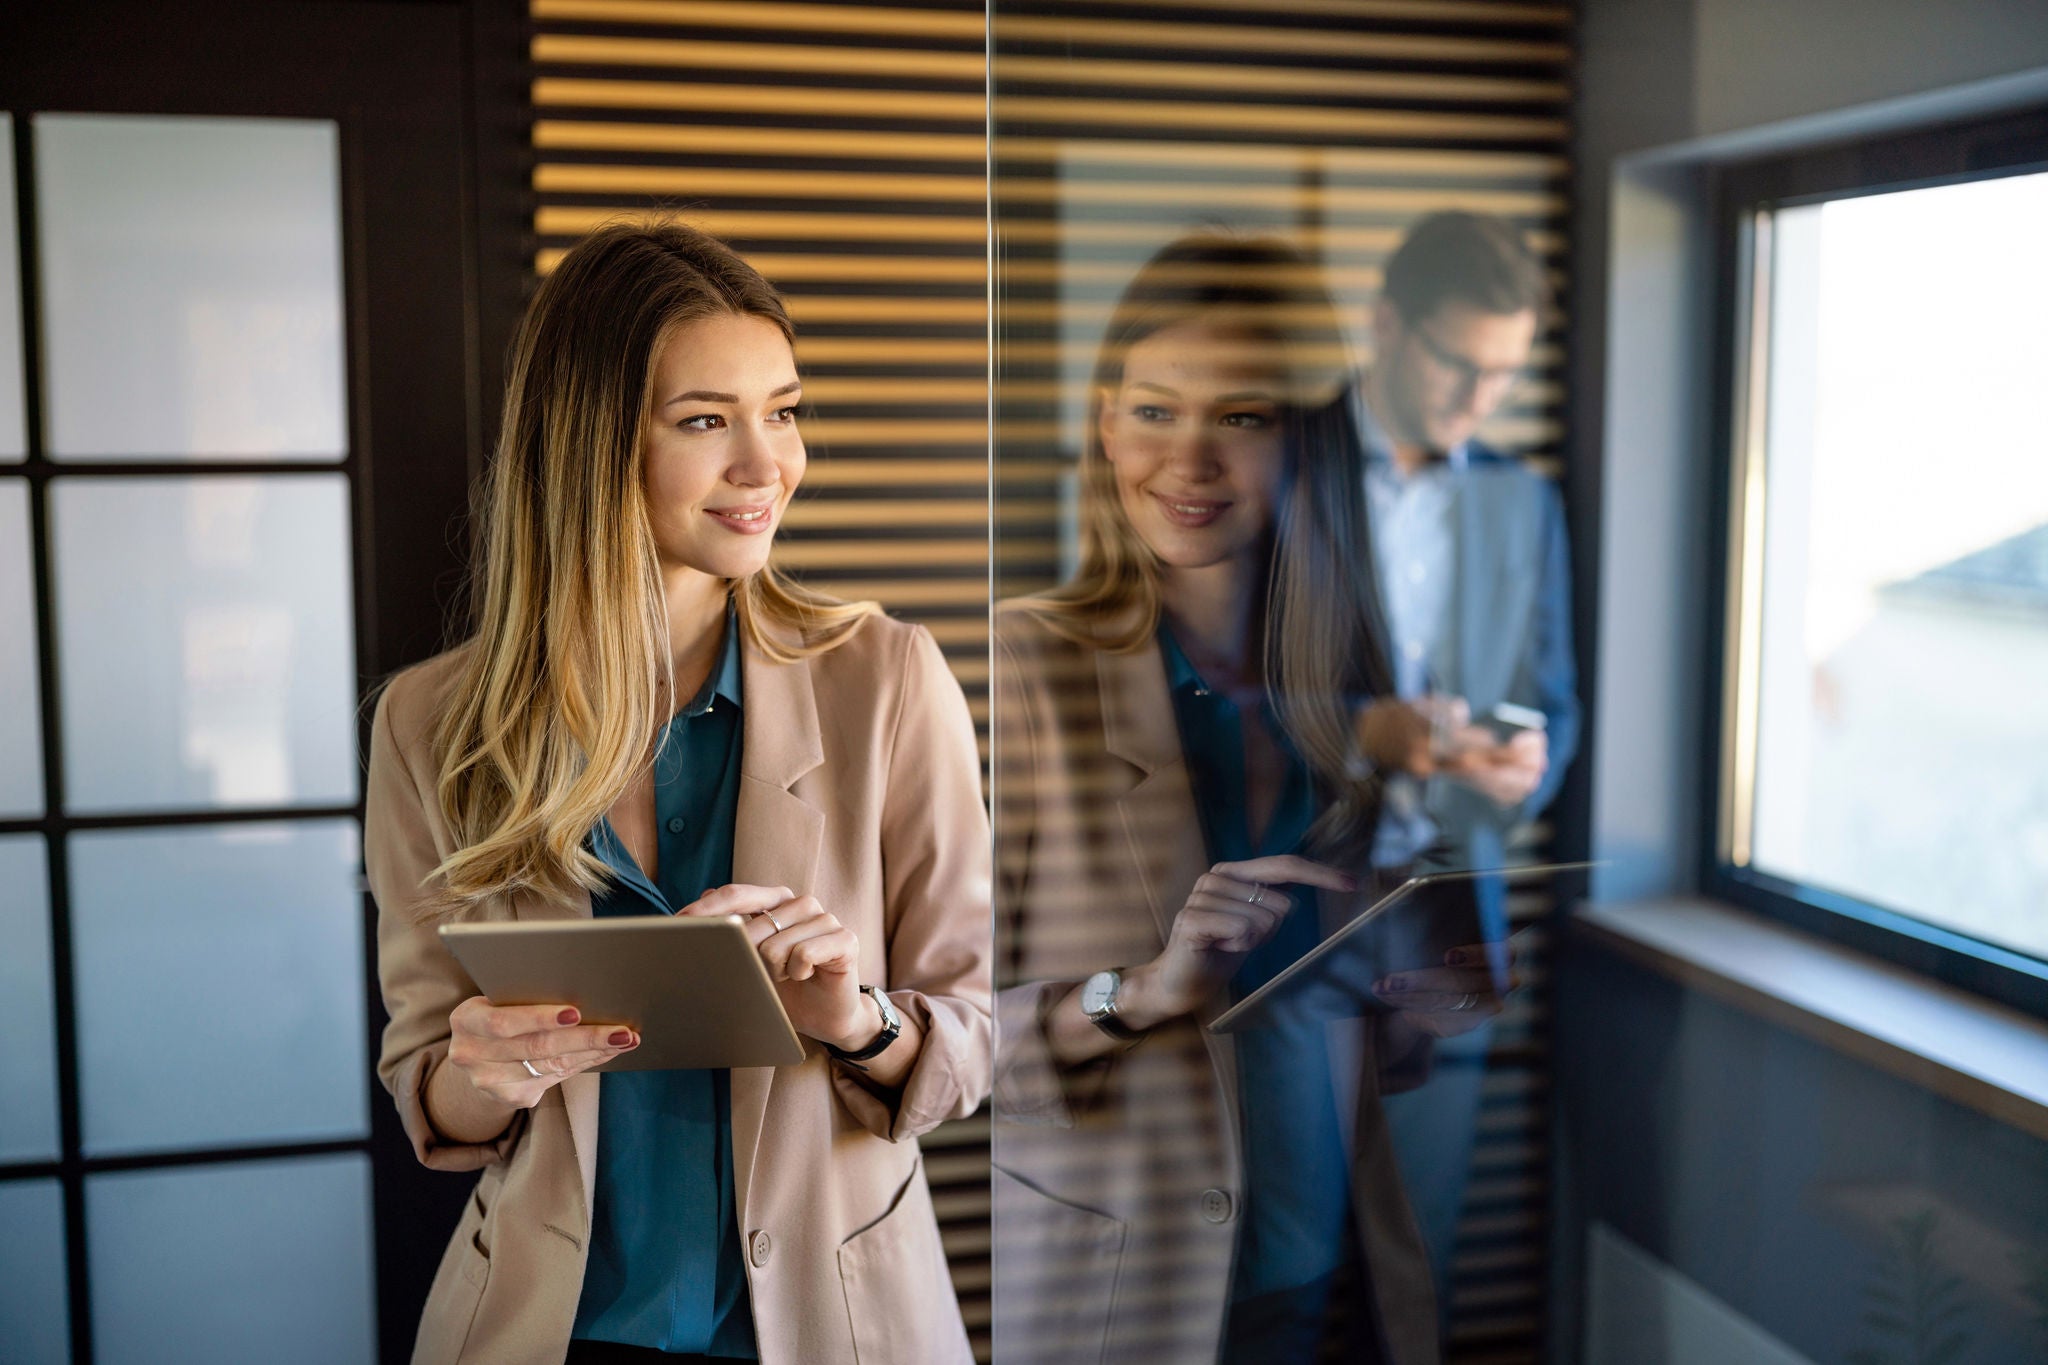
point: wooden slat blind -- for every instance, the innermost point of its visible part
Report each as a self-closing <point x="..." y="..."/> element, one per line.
<point x="842" y="149"/>
<point x="1335" y="123"/>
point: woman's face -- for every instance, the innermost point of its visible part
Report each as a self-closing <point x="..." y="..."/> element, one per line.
<point x="721" y="451"/>
<point x="1193" y="436"/>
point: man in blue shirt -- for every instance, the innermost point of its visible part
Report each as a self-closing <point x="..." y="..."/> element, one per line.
<point x="1471" y="558"/>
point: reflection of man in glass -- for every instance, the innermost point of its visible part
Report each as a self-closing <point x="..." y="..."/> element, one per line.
<point x="1472" y="564"/>
<point x="1179" y="817"/>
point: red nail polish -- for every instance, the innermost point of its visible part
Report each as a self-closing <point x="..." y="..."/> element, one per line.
<point x="568" y="1016"/>
<point x="620" y="1037"/>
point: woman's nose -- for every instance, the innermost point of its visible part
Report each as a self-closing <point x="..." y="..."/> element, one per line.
<point x="753" y="461"/>
<point x="1192" y="455"/>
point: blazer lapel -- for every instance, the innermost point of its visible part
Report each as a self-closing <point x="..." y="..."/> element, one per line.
<point x="1158" y="812"/>
<point x="776" y="837"/>
<point x="1160" y="822"/>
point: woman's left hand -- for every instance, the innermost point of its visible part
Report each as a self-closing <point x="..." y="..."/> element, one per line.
<point x="812" y="958"/>
<point x="1448" y="1000"/>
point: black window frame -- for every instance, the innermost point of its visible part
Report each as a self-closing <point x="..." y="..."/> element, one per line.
<point x="1982" y="148"/>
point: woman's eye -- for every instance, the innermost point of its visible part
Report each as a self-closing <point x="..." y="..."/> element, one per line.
<point x="784" y="414"/>
<point x="1247" y="421"/>
<point x="707" y="421"/>
<point x="1151" y="412"/>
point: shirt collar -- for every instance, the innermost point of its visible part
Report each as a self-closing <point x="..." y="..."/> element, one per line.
<point x="1180" y="671"/>
<point x="724" y="678"/>
<point x="1379" y="447"/>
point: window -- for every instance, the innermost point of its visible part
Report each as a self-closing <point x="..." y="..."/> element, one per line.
<point x="1884" y="726"/>
<point x="179" y="837"/>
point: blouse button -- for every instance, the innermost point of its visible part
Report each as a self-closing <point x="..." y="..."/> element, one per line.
<point x="675" y="824"/>
<point x="760" y="1248"/>
<point x="1216" y="1206"/>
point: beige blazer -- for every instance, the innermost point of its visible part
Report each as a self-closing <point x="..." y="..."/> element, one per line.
<point x="860" y="785"/>
<point x="1118" y="1185"/>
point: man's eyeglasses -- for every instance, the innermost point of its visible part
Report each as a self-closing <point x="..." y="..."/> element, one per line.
<point x="1466" y="373"/>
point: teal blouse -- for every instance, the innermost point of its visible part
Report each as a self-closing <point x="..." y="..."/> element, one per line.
<point x="666" y="1269"/>
<point x="1297" y="1180"/>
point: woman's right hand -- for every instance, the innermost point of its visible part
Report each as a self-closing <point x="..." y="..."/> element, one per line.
<point x="1213" y="931"/>
<point x="489" y="1045"/>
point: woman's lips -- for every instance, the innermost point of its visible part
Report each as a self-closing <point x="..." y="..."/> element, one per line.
<point x="746" y="521"/>
<point x="1191" y="511"/>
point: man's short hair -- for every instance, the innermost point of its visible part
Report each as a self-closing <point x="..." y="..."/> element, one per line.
<point x="1472" y="258"/>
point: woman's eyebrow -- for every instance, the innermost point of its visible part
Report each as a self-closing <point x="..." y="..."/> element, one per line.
<point x="1155" y="388"/>
<point x="713" y="396"/>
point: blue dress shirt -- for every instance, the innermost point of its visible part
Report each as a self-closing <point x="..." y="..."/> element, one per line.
<point x="665" y="1268"/>
<point x="1415" y="554"/>
<point x="1297" y="1202"/>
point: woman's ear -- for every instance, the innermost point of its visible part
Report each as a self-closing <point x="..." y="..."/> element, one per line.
<point x="1105" y="420"/>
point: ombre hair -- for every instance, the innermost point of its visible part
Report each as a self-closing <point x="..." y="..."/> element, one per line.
<point x="1323" y="650"/>
<point x="555" y="698"/>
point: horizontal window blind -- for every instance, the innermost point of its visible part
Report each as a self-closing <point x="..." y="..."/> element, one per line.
<point x="842" y="149"/>
<point x="1336" y="124"/>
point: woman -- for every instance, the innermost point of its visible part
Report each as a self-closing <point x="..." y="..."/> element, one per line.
<point x="1186" y="755"/>
<point x="650" y="719"/>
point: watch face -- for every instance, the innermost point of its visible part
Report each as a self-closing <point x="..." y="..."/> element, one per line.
<point x="1098" y="993"/>
<point x="890" y="1019"/>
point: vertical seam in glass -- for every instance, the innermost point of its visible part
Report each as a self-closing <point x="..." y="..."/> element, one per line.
<point x="988" y="199"/>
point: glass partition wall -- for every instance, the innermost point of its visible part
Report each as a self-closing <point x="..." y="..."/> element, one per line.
<point x="1193" y="208"/>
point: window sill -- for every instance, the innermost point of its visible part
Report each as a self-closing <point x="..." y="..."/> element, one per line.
<point x="1959" y="1046"/>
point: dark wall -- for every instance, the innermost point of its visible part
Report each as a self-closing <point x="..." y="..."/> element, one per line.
<point x="1778" y="1176"/>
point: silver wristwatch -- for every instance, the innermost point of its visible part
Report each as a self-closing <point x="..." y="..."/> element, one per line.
<point x="1098" y="1001"/>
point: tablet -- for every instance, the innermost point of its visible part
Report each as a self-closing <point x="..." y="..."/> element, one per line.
<point x="1334" y="979"/>
<point x="695" y="990"/>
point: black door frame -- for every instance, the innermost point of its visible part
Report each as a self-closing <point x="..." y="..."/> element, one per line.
<point x="431" y="102"/>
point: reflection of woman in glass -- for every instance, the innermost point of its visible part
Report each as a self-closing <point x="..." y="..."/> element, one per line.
<point x="1178" y="790"/>
<point x="650" y="720"/>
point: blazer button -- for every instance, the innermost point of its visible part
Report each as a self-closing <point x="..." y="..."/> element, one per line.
<point x="759" y="1247"/>
<point x="1216" y="1206"/>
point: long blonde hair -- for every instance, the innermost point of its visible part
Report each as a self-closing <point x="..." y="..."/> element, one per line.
<point x="1323" y="648"/>
<point x="556" y="696"/>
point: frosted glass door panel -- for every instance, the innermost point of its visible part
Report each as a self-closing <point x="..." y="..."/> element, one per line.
<point x="206" y="647"/>
<point x="220" y="985"/>
<point x="21" y="720"/>
<point x="13" y="426"/>
<point x="28" y="1062"/>
<point x="244" y="1264"/>
<point x="191" y="273"/>
<point x="35" y="1324"/>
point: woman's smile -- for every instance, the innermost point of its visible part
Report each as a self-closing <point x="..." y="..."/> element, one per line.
<point x="1191" y="512"/>
<point x="746" y="519"/>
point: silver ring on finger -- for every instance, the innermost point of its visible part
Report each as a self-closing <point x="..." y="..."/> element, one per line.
<point x="1468" y="1002"/>
<point x="1258" y="895"/>
<point x="769" y="915"/>
<point x="531" y="1070"/>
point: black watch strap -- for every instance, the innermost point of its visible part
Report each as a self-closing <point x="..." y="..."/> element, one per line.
<point x="892" y="1026"/>
<point x="1116" y="1028"/>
